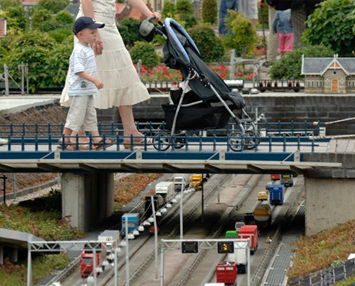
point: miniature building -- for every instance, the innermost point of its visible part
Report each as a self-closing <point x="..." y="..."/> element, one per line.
<point x="328" y="75"/>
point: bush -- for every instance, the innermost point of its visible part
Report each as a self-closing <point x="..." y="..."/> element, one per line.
<point x="47" y="61"/>
<point x="209" y="11"/>
<point x="54" y="6"/>
<point x="332" y="24"/>
<point x="209" y="45"/>
<point x="59" y="35"/>
<point x="169" y="10"/>
<point x="128" y="28"/>
<point x="184" y="7"/>
<point x="242" y="36"/>
<point x="145" y="52"/>
<point x="186" y="20"/>
<point x="289" y="67"/>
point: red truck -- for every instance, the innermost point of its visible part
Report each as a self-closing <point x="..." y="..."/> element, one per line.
<point x="226" y="272"/>
<point x="250" y="231"/>
<point x="87" y="258"/>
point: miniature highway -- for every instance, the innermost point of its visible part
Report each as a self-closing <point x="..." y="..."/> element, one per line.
<point x="183" y="269"/>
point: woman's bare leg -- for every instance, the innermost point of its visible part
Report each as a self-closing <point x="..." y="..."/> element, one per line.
<point x="127" y="118"/>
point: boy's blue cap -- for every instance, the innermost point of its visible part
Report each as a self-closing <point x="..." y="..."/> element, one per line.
<point x="86" y="22"/>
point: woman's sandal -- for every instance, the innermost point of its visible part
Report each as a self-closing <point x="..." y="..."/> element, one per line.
<point x="137" y="143"/>
<point x="81" y="147"/>
<point x="100" y="144"/>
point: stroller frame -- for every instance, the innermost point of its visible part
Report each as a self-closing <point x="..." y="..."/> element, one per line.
<point x="178" y="58"/>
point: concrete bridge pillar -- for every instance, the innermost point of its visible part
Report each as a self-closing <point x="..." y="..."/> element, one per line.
<point x="328" y="203"/>
<point x="87" y="199"/>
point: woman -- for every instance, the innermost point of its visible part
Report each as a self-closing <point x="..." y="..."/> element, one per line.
<point x="122" y="86"/>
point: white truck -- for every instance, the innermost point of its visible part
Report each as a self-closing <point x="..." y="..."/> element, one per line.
<point x="110" y="238"/>
<point x="166" y="190"/>
<point x="178" y="181"/>
<point x="240" y="256"/>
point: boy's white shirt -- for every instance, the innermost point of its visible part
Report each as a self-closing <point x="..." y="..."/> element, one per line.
<point x="82" y="59"/>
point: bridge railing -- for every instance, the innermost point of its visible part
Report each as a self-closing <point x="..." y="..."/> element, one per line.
<point x="150" y="128"/>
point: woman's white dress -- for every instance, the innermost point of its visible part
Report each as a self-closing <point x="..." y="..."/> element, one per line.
<point x="122" y="85"/>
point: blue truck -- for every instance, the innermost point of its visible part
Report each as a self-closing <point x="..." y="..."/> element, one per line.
<point x="276" y="194"/>
<point x="133" y="223"/>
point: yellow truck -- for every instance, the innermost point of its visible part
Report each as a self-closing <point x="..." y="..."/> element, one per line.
<point x="196" y="181"/>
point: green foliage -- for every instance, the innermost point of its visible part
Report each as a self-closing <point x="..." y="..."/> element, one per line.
<point x="332" y="24"/>
<point x="242" y="36"/>
<point x="146" y="52"/>
<point x="186" y="20"/>
<point x="209" y="11"/>
<point x="184" y="7"/>
<point x="289" y="67"/>
<point x="169" y="10"/>
<point x="64" y="18"/>
<point x="59" y="35"/>
<point x="16" y="17"/>
<point x="47" y="61"/>
<point x="209" y="45"/>
<point x="5" y="4"/>
<point x="42" y="266"/>
<point x="128" y="28"/>
<point x="54" y="6"/>
<point x="40" y="17"/>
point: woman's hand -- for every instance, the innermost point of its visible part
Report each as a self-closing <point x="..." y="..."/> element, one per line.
<point x="157" y="16"/>
<point x="98" y="46"/>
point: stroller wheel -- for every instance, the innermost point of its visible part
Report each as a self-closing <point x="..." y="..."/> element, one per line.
<point x="251" y="140"/>
<point x="162" y="142"/>
<point x="236" y="141"/>
<point x="179" y="141"/>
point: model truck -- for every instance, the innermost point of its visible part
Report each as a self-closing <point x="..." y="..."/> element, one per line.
<point x="132" y="220"/>
<point x="262" y="214"/>
<point x="91" y="250"/>
<point x="240" y="256"/>
<point x="286" y="180"/>
<point x="166" y="190"/>
<point x="178" y="181"/>
<point x="110" y="238"/>
<point x="250" y="231"/>
<point x="276" y="194"/>
<point x="226" y="272"/>
<point x="196" y="181"/>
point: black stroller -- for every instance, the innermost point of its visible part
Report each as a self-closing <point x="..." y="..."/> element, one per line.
<point x="206" y="101"/>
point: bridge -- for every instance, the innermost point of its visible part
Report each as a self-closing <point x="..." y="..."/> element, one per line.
<point x="87" y="176"/>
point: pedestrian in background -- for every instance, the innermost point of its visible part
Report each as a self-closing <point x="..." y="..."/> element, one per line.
<point x="224" y="6"/>
<point x="273" y="42"/>
<point x="281" y="25"/>
<point x="249" y="8"/>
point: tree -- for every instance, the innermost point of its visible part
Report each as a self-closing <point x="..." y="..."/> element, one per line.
<point x="128" y="28"/>
<point x="209" y="11"/>
<point x="184" y="7"/>
<point x="16" y="17"/>
<point x="169" y="10"/>
<point x="289" y="67"/>
<point x="209" y="45"/>
<point x="242" y="36"/>
<point x="53" y="5"/>
<point x="332" y="24"/>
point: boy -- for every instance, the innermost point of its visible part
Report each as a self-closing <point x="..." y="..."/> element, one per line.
<point x="83" y="83"/>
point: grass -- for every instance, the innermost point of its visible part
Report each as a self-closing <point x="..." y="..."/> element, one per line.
<point x="328" y="248"/>
<point x="49" y="225"/>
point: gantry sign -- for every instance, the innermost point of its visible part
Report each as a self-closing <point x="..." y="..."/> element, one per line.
<point x="197" y="246"/>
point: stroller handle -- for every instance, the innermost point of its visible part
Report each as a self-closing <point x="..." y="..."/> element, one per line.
<point x="152" y="18"/>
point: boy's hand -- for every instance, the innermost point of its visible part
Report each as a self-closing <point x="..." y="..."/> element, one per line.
<point x="98" y="83"/>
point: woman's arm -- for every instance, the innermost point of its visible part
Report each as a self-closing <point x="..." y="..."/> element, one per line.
<point x="88" y="10"/>
<point x="143" y="8"/>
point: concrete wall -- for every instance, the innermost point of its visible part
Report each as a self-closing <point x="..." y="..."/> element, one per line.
<point x="87" y="199"/>
<point x="327" y="203"/>
<point x="276" y="106"/>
